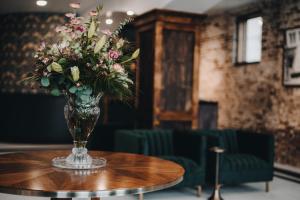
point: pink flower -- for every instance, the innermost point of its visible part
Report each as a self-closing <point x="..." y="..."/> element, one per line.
<point x="93" y="13"/>
<point x="70" y="15"/>
<point x="80" y="28"/>
<point x="45" y="60"/>
<point x="75" y="21"/>
<point x="59" y="29"/>
<point x="106" y="32"/>
<point x="73" y="35"/>
<point x="42" y="46"/>
<point x="113" y="54"/>
<point x="118" y="68"/>
<point x="75" y="5"/>
<point x="67" y="30"/>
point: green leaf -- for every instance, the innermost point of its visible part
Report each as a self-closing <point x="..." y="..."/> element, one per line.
<point x="84" y="97"/>
<point x="49" y="68"/>
<point x="100" y="44"/>
<point x="92" y="29"/>
<point x="73" y="89"/>
<point x="87" y="91"/>
<point x="55" y="92"/>
<point x="45" y="81"/>
<point x="56" y="67"/>
<point x="62" y="61"/>
<point x="135" y="54"/>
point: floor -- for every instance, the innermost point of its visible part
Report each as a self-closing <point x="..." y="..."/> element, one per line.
<point x="280" y="190"/>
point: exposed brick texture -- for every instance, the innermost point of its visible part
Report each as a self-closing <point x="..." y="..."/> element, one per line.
<point x="252" y="96"/>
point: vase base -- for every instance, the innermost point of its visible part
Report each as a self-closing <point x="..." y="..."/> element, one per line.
<point x="61" y="162"/>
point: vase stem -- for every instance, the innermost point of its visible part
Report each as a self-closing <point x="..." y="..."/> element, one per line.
<point x="79" y="144"/>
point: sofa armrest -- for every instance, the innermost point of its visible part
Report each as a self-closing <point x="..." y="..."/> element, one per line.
<point x="190" y="145"/>
<point x="130" y="142"/>
<point x="260" y="145"/>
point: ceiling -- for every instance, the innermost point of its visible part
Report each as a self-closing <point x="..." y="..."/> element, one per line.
<point x="138" y="6"/>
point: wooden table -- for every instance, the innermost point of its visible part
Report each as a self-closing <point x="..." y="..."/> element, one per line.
<point x="31" y="174"/>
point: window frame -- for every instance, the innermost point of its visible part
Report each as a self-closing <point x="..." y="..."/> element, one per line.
<point x="240" y="46"/>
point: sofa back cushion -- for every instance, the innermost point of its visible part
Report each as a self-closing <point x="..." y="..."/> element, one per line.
<point x="229" y="140"/>
<point x="157" y="142"/>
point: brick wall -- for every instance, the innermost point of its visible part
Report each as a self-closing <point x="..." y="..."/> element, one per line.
<point x="252" y="96"/>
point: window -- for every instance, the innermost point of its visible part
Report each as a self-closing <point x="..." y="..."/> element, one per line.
<point x="249" y="39"/>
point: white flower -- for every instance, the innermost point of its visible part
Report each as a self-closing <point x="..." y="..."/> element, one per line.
<point x="118" y="68"/>
<point x="75" y="5"/>
<point x="70" y="15"/>
<point x="75" y="73"/>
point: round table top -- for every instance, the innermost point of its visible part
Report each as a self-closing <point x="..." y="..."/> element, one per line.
<point x="31" y="173"/>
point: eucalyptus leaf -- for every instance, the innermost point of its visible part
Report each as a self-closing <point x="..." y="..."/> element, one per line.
<point x="87" y="91"/>
<point x="84" y="97"/>
<point x="45" y="81"/>
<point x="73" y="89"/>
<point x="55" y="92"/>
<point x="62" y="61"/>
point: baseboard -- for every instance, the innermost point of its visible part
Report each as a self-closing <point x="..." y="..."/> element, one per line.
<point x="287" y="172"/>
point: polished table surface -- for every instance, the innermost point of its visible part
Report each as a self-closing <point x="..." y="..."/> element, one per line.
<point x="31" y="173"/>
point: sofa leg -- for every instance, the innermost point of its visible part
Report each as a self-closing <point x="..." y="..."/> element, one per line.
<point x="141" y="196"/>
<point x="267" y="186"/>
<point x="199" y="191"/>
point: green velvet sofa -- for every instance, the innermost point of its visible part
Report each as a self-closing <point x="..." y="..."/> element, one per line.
<point x="188" y="150"/>
<point x="248" y="156"/>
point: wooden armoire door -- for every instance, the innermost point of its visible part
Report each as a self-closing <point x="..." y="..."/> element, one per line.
<point x="168" y="69"/>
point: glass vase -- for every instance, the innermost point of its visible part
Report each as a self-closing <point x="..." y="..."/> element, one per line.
<point x="81" y="114"/>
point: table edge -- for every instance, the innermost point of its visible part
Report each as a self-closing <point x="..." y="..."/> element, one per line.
<point x="88" y="194"/>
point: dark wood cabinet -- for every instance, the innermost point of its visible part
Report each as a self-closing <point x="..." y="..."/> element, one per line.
<point x="168" y="69"/>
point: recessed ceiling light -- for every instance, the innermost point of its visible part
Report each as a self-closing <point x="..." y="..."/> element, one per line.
<point x="130" y="12"/>
<point x="109" y="21"/>
<point x="41" y="3"/>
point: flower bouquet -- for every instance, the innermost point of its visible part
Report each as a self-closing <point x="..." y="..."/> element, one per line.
<point x="84" y="64"/>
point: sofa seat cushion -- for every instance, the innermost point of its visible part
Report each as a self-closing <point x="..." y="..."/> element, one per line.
<point x="194" y="174"/>
<point x="243" y="162"/>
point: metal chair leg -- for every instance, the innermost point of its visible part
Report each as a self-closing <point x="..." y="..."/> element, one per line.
<point x="267" y="186"/>
<point x="141" y="196"/>
<point x="199" y="191"/>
